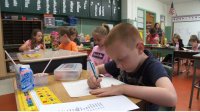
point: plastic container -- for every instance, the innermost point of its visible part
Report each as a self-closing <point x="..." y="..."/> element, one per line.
<point x="41" y="79"/>
<point x="72" y="21"/>
<point x="68" y="72"/>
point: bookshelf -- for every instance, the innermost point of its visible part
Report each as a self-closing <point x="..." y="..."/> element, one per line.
<point x="15" y="32"/>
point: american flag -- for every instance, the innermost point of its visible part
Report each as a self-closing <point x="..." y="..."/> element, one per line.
<point x="172" y="10"/>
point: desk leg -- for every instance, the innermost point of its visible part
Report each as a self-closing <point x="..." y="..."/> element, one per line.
<point x="172" y="62"/>
<point x="198" y="90"/>
<point x="193" y="81"/>
<point x="178" y="69"/>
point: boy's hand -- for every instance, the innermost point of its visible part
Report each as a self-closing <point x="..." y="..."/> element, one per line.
<point x="110" y="91"/>
<point x="93" y="83"/>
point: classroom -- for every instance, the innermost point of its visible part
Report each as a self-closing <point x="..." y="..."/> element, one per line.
<point x="99" y="55"/>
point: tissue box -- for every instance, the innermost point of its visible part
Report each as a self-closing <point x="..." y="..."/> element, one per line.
<point x="68" y="72"/>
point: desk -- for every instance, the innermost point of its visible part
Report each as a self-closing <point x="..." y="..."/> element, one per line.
<point x="58" y="89"/>
<point x="85" y="50"/>
<point x="195" y="84"/>
<point x="59" y="57"/>
<point x="184" y="54"/>
<point x="161" y="52"/>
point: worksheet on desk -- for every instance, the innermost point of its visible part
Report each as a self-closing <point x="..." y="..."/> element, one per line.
<point x="81" y="88"/>
<point x="113" y="103"/>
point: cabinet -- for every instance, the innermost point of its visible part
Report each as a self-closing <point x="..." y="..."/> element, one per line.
<point x="2" y="56"/>
<point x="17" y="31"/>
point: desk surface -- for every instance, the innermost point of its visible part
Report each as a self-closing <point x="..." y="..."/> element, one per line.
<point x="159" y="47"/>
<point x="196" y="56"/>
<point x="48" y="54"/>
<point x="58" y="89"/>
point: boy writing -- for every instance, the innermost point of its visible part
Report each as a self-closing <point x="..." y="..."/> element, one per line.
<point x="144" y="76"/>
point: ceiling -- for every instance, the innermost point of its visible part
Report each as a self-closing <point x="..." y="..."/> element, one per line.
<point x="175" y="1"/>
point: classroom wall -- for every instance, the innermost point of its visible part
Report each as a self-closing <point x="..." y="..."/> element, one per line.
<point x="150" y="5"/>
<point x="186" y="8"/>
<point x="86" y="26"/>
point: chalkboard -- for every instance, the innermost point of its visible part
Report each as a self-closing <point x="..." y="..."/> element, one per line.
<point x="33" y="6"/>
<point x="82" y="8"/>
<point x="95" y="9"/>
<point x="52" y="6"/>
<point x="11" y="5"/>
<point x="68" y="7"/>
<point x="116" y="10"/>
<point x="106" y="9"/>
<point x="186" y="29"/>
<point x="98" y="9"/>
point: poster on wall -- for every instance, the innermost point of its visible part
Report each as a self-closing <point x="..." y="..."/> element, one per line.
<point x="162" y="22"/>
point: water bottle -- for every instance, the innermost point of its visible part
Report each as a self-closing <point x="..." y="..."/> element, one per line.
<point x="177" y="46"/>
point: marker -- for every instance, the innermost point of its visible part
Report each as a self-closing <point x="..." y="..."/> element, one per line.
<point x="93" y="69"/>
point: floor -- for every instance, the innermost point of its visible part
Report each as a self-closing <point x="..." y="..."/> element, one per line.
<point x="182" y="85"/>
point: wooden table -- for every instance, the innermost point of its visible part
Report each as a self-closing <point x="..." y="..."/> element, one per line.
<point x="59" y="57"/>
<point x="57" y="88"/>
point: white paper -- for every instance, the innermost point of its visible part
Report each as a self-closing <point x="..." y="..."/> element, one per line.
<point x="81" y="88"/>
<point x="114" y="103"/>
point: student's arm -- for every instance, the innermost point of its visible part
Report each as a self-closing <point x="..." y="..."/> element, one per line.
<point x="25" y="46"/>
<point x="163" y="94"/>
<point x="109" y="67"/>
<point x="94" y="83"/>
<point x="61" y="46"/>
<point x="74" y="47"/>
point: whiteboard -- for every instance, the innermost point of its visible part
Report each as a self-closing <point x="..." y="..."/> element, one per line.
<point x="186" y="29"/>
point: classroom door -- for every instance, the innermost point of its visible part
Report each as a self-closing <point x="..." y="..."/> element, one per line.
<point x="150" y="20"/>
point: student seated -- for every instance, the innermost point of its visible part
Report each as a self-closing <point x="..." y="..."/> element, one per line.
<point x="98" y="55"/>
<point x="65" y="41"/>
<point x="36" y="41"/>
<point x="143" y="75"/>
<point x="178" y="44"/>
<point x="74" y="37"/>
<point x="194" y="41"/>
<point x="153" y="37"/>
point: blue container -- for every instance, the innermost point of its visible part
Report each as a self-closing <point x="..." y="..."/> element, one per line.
<point x="72" y="21"/>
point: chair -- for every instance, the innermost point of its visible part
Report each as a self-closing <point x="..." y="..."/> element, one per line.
<point x="169" y="72"/>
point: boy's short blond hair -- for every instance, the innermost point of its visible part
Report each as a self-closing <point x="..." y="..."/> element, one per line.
<point x="125" y="33"/>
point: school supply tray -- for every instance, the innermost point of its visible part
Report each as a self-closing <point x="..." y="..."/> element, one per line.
<point x="27" y="101"/>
